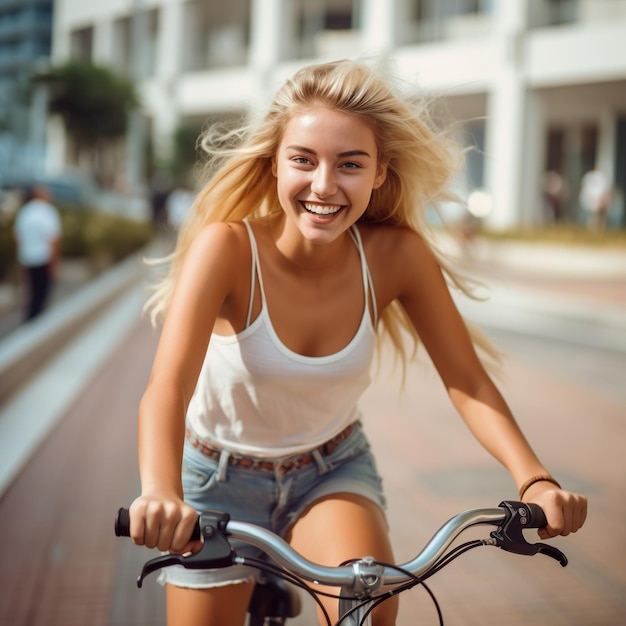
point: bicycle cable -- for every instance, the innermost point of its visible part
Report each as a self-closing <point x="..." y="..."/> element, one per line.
<point x="398" y="589"/>
<point x="267" y="566"/>
<point x="376" y="600"/>
<point x="447" y="558"/>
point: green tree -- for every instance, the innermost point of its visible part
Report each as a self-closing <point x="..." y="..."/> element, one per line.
<point x="94" y="103"/>
<point x="185" y="151"/>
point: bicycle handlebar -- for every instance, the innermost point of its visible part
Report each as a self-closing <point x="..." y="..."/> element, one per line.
<point x="216" y="528"/>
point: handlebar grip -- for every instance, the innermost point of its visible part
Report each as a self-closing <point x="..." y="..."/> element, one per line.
<point x="122" y="525"/>
<point x="536" y="516"/>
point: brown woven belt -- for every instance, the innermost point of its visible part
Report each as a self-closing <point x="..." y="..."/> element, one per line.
<point x="281" y="467"/>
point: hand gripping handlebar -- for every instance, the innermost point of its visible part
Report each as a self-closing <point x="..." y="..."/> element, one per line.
<point x="509" y="536"/>
<point x="215" y="528"/>
<point x="216" y="550"/>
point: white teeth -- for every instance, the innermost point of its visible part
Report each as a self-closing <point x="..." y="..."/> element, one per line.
<point x="322" y="210"/>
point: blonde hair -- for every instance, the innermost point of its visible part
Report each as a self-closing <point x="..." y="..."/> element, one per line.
<point x="420" y="159"/>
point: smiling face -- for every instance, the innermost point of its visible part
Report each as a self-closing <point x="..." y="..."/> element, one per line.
<point x="326" y="168"/>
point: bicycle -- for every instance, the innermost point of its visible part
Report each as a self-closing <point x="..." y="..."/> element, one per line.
<point x="360" y="580"/>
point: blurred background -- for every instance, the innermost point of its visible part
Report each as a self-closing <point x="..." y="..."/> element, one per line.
<point x="102" y="102"/>
<point x="538" y="88"/>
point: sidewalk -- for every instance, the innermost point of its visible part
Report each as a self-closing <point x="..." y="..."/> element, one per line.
<point x="73" y="570"/>
<point x="73" y="567"/>
<point x="73" y="274"/>
<point x="532" y="290"/>
<point x="28" y="346"/>
<point x="72" y="340"/>
<point x="573" y="293"/>
<point x="572" y="261"/>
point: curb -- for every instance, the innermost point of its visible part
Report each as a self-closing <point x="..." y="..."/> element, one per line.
<point x="560" y="261"/>
<point x="564" y="318"/>
<point x="31" y="414"/>
<point x="28" y="348"/>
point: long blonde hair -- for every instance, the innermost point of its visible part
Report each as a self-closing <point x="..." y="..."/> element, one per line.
<point x="421" y="161"/>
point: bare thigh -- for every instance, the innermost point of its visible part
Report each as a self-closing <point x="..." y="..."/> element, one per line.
<point x="226" y="606"/>
<point x="341" y="527"/>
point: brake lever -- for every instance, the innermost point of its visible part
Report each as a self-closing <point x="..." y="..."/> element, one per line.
<point x="216" y="550"/>
<point x="510" y="538"/>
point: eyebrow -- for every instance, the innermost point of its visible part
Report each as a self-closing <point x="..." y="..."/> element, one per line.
<point x="347" y="153"/>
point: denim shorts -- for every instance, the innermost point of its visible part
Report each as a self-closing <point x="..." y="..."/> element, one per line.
<point x="268" y="499"/>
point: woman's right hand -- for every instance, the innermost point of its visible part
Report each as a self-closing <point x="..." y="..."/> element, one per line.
<point x="163" y="521"/>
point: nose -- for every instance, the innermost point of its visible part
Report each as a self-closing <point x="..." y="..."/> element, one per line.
<point x="323" y="183"/>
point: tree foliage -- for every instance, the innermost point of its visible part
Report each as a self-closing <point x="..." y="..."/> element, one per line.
<point x="185" y="152"/>
<point x="93" y="101"/>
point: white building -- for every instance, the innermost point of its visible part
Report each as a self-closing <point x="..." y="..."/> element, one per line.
<point x="538" y="84"/>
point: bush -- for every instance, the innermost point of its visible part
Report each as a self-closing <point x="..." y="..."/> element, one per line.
<point x="100" y="238"/>
<point x="110" y="238"/>
<point x="560" y="234"/>
<point x="7" y="247"/>
<point x="74" y="243"/>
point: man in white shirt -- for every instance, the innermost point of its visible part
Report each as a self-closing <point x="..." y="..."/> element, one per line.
<point x="595" y="197"/>
<point x="37" y="230"/>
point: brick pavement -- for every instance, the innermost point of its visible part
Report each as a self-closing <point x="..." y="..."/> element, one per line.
<point x="600" y="290"/>
<point x="60" y="563"/>
<point x="434" y="468"/>
<point x="60" y="560"/>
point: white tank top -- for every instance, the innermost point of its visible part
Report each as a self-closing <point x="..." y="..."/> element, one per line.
<point x="257" y="397"/>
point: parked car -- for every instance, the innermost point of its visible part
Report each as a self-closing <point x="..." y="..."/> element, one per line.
<point x="75" y="191"/>
<point x="68" y="190"/>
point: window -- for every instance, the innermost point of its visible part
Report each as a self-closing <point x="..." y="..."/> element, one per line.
<point x="81" y="43"/>
<point x="216" y="34"/>
<point x="315" y="17"/>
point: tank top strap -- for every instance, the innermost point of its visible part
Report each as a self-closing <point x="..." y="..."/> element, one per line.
<point x="256" y="271"/>
<point x="368" y="284"/>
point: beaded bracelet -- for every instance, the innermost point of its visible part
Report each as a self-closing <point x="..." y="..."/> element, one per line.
<point x="536" y="479"/>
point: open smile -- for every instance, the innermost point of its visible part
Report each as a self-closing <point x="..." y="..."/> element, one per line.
<point x="322" y="209"/>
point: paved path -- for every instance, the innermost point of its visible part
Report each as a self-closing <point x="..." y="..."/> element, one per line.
<point x="60" y="560"/>
<point x="434" y="469"/>
<point x="60" y="564"/>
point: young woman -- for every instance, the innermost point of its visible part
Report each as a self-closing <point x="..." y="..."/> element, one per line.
<point x="306" y="244"/>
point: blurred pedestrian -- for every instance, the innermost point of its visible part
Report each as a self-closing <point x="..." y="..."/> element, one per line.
<point x="595" y="197"/>
<point x="177" y="205"/>
<point x="160" y="189"/>
<point x="555" y="195"/>
<point x="37" y="232"/>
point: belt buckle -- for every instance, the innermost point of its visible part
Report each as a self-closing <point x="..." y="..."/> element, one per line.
<point x="289" y="465"/>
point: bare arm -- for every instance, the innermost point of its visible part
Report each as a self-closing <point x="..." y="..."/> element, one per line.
<point x="159" y="517"/>
<point x="426" y="299"/>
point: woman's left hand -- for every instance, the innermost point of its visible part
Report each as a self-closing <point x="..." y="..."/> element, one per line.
<point x="565" y="511"/>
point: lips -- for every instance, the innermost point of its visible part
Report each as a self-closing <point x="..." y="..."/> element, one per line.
<point x="322" y="209"/>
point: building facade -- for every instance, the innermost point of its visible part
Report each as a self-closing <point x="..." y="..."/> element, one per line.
<point x="25" y="46"/>
<point x="537" y="86"/>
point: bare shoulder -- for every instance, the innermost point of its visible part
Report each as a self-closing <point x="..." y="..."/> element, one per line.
<point x="223" y="234"/>
<point x="393" y="246"/>
<point x="399" y="259"/>
<point x="217" y="262"/>
<point x="223" y="242"/>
